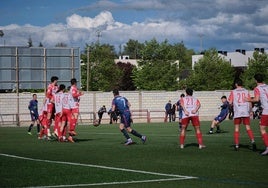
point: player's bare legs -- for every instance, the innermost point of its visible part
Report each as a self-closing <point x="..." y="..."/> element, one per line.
<point x="182" y="135"/>
<point x="236" y="136"/>
<point x="264" y="135"/>
<point x="199" y="137"/>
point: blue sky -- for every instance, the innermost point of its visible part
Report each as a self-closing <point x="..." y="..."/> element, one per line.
<point x="224" y="24"/>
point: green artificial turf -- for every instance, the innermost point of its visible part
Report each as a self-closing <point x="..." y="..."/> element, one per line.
<point x="100" y="159"/>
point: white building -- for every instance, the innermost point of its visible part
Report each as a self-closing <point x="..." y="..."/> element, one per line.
<point x="125" y="59"/>
<point x="239" y="58"/>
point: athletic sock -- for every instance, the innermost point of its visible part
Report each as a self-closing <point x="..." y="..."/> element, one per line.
<point x="182" y="138"/>
<point x="250" y="135"/>
<point x="236" y="138"/>
<point x="135" y="133"/>
<point x="125" y="134"/>
<point x="199" y="138"/>
<point x="38" y="128"/>
<point x="30" y="128"/>
<point x="218" y="128"/>
<point x="211" y="129"/>
<point x="265" y="139"/>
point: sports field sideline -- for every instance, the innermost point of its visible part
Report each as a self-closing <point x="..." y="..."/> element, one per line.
<point x="100" y="159"/>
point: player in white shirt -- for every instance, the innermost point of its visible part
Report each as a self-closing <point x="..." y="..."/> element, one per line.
<point x="242" y="110"/>
<point x="261" y="94"/>
<point x="57" y="99"/>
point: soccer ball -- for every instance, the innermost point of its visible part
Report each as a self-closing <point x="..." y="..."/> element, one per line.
<point x="96" y="123"/>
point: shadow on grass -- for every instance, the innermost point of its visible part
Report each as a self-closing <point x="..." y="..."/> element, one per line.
<point x="82" y="139"/>
<point x="246" y="146"/>
<point x="191" y="145"/>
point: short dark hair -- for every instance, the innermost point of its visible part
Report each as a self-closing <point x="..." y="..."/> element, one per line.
<point x="53" y="78"/>
<point x="61" y="87"/>
<point x="223" y="97"/>
<point x="259" y="78"/>
<point x="115" y="92"/>
<point x="182" y="95"/>
<point x="73" y="81"/>
<point x="239" y="82"/>
<point x="189" y="91"/>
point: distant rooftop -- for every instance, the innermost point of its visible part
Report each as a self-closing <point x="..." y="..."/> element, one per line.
<point x="239" y="58"/>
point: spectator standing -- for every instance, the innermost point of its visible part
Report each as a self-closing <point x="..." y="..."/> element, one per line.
<point x="168" y="109"/>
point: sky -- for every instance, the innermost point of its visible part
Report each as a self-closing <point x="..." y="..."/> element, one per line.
<point x="226" y="25"/>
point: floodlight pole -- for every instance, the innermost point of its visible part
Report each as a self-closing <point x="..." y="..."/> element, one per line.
<point x="201" y="42"/>
<point x="88" y="69"/>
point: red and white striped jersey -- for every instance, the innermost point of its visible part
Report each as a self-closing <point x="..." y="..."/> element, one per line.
<point x="190" y="103"/>
<point x="241" y="106"/>
<point x="262" y="91"/>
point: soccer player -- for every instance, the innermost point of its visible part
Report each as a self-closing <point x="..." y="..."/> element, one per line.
<point x="101" y="111"/>
<point x="122" y="105"/>
<point x="66" y="116"/>
<point x="190" y="106"/>
<point x="242" y="110"/>
<point x="223" y="114"/>
<point x="179" y="109"/>
<point x="33" y="107"/>
<point x="75" y="108"/>
<point x="57" y="99"/>
<point x="49" y="106"/>
<point x="261" y="94"/>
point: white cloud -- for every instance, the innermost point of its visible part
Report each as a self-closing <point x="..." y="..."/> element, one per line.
<point x="76" y="21"/>
<point x="221" y="25"/>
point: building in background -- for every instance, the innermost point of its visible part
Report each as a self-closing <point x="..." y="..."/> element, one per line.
<point x="239" y="58"/>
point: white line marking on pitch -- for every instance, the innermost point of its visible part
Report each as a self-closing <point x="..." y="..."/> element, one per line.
<point x="175" y="177"/>
<point x="111" y="183"/>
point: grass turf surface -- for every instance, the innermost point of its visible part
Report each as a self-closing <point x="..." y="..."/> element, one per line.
<point x="49" y="163"/>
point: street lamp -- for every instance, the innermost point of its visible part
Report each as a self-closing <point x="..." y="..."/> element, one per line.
<point x="88" y="68"/>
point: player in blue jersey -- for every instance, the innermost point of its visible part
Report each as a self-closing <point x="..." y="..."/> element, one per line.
<point x="223" y="114"/>
<point x="33" y="107"/>
<point x="122" y="105"/>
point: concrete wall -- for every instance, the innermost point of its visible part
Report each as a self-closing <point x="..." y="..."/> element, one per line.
<point x="154" y="101"/>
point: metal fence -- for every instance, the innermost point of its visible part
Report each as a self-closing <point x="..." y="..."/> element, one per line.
<point x="32" y="68"/>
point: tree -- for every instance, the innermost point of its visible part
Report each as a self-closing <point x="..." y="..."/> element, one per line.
<point x="210" y="73"/>
<point x="157" y="70"/>
<point x="157" y="75"/>
<point x="61" y="44"/>
<point x="30" y="42"/>
<point x="259" y="64"/>
<point x="126" y="83"/>
<point x="104" y="74"/>
<point x="1" y="33"/>
<point x="133" y="49"/>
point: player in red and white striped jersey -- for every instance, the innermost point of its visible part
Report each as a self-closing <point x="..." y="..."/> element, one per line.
<point x="190" y="106"/>
<point x="75" y="108"/>
<point x="57" y="99"/>
<point x="49" y="107"/>
<point x="261" y="94"/>
<point x="242" y="110"/>
<point x="67" y="115"/>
